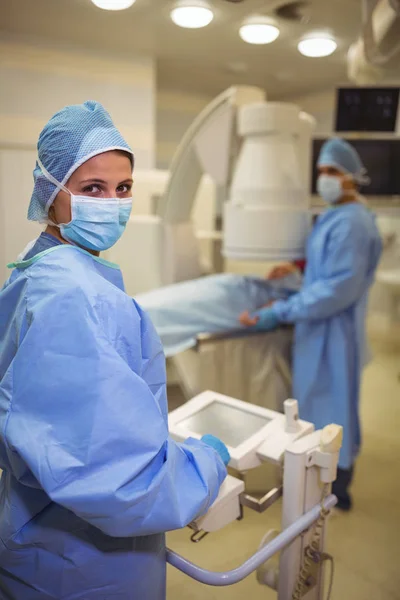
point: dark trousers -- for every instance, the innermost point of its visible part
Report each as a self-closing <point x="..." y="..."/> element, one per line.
<point x="340" y="487"/>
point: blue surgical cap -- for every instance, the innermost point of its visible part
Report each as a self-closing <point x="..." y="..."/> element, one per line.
<point x="72" y="136"/>
<point x="341" y="155"/>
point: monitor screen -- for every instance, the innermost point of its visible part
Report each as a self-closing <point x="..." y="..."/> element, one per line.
<point x="382" y="161"/>
<point x="230" y="424"/>
<point x="367" y="109"/>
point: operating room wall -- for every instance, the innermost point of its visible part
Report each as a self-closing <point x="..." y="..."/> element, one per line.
<point x="176" y="110"/>
<point x="36" y="80"/>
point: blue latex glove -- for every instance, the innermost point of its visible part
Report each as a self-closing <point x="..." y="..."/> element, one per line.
<point x="219" y="446"/>
<point x="267" y="319"/>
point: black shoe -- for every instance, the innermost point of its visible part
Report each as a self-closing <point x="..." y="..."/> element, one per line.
<point x="340" y="488"/>
<point x="344" y="504"/>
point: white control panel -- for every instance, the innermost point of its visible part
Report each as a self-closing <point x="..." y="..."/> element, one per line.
<point x="252" y="434"/>
<point x="289" y="429"/>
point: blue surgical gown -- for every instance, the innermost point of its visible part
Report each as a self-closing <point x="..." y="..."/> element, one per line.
<point x="91" y="479"/>
<point x="44" y="242"/>
<point x="343" y="252"/>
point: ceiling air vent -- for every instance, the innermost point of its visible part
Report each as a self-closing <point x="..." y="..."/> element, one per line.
<point x="293" y="11"/>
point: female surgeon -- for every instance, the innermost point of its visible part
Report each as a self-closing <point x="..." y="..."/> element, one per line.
<point x="342" y="254"/>
<point x="91" y="479"/>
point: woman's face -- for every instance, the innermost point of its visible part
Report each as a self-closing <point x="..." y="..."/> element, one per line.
<point x="107" y="175"/>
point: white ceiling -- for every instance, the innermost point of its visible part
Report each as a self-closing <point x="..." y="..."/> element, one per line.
<point x="197" y="60"/>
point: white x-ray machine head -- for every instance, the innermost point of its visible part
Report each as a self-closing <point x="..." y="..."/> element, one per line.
<point x="258" y="155"/>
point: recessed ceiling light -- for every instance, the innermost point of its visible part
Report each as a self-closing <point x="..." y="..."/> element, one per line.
<point x="114" y="4"/>
<point x="316" y="46"/>
<point x="258" y="30"/>
<point x="192" y="15"/>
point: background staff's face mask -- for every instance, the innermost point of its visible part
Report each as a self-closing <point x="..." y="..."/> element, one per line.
<point x="96" y="224"/>
<point x="329" y="187"/>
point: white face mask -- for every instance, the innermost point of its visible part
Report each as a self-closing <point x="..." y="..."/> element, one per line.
<point x="329" y="187"/>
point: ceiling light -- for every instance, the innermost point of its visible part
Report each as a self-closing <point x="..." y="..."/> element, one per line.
<point x="316" y="46"/>
<point x="258" y="30"/>
<point x="114" y="4"/>
<point x="192" y="15"/>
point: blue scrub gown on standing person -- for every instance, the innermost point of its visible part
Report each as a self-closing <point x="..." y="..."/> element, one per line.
<point x="91" y="479"/>
<point x="343" y="252"/>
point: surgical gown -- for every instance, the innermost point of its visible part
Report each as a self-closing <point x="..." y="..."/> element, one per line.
<point x="342" y="255"/>
<point x="91" y="479"/>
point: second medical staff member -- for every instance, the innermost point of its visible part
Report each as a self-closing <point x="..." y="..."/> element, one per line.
<point x="342" y="255"/>
<point x="91" y="479"/>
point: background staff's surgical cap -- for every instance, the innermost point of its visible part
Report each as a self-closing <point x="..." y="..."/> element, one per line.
<point x="72" y="136"/>
<point x="341" y="155"/>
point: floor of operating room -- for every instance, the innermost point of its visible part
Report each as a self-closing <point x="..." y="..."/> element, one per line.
<point x="365" y="543"/>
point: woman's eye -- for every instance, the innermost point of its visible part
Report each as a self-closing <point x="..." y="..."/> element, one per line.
<point x="124" y="189"/>
<point x="92" y="189"/>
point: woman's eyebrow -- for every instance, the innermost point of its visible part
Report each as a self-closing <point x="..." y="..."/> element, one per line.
<point x="93" y="180"/>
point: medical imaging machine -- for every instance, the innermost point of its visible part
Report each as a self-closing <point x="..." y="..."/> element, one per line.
<point x="308" y="458"/>
<point x="374" y="57"/>
<point x="258" y="154"/>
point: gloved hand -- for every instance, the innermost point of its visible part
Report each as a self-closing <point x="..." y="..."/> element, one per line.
<point x="219" y="446"/>
<point x="265" y="319"/>
<point x="248" y="320"/>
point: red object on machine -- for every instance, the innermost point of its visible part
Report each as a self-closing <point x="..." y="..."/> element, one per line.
<point x="300" y="264"/>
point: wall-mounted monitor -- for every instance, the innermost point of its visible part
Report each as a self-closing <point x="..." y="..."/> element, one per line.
<point x="367" y="109"/>
<point x="381" y="158"/>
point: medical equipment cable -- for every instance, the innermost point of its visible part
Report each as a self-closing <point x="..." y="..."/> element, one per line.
<point x="332" y="577"/>
<point x="312" y="554"/>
